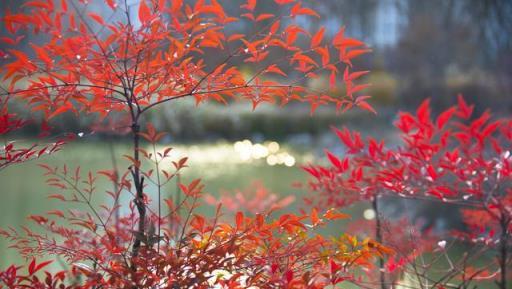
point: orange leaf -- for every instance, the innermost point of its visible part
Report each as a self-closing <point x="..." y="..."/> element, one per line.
<point x="61" y="109"/>
<point x="275" y="69"/>
<point x="314" y="217"/>
<point x="235" y="37"/>
<point x="265" y="16"/>
<point x="298" y="10"/>
<point x="275" y="27"/>
<point x="346" y="42"/>
<point x="331" y="214"/>
<point x="324" y="53"/>
<point x="355" y="53"/>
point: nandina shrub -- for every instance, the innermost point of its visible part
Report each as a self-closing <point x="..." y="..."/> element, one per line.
<point x="457" y="159"/>
<point x="13" y="278"/>
<point x="181" y="248"/>
<point x="91" y="64"/>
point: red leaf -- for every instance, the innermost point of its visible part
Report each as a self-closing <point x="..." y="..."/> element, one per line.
<point x="264" y="16"/>
<point x="444" y="117"/>
<point x="42" y="265"/>
<point x="436" y="194"/>
<point x="465" y="111"/>
<point x="324" y="53"/>
<point x="56" y="213"/>
<point x="112" y="4"/>
<point x="144" y="12"/>
<point x="334" y="267"/>
<point x="490" y="129"/>
<point x="32" y="266"/>
<point x="275" y="69"/>
<point x="312" y="171"/>
<point x="357" y="88"/>
<point x="332" y="79"/>
<point x="289" y="276"/>
<point x="97" y="18"/>
<point x="38" y="219"/>
<point x="57" y="196"/>
<point x="37" y="4"/>
<point x="344" y="136"/>
<point x="235" y="37"/>
<point x="299" y="10"/>
<point x="284" y="2"/>
<point x="308" y="11"/>
<point x="366" y="106"/>
<point x="317" y="38"/>
<point x="60" y="110"/>
<point x="176" y="5"/>
<point x="355" y="53"/>
<point x="432" y="172"/>
<point x="423" y="112"/>
<point x="41" y="54"/>
<point x="198" y="223"/>
<point x="275" y="27"/>
<point x="346" y="42"/>
<point x="335" y="161"/>
<point x="354" y="75"/>
<point x="251" y="4"/>
<point x="239" y="220"/>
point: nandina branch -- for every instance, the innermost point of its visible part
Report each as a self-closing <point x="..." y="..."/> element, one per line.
<point x="503" y="254"/>
<point x="378" y="238"/>
<point x="139" y="189"/>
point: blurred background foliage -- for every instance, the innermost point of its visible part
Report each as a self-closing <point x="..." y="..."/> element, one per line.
<point x="435" y="48"/>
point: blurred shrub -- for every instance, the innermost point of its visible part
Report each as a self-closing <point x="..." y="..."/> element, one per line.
<point x="239" y="121"/>
<point x="214" y="121"/>
<point x="384" y="87"/>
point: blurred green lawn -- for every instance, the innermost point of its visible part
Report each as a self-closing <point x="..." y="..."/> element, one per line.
<point x="24" y="191"/>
